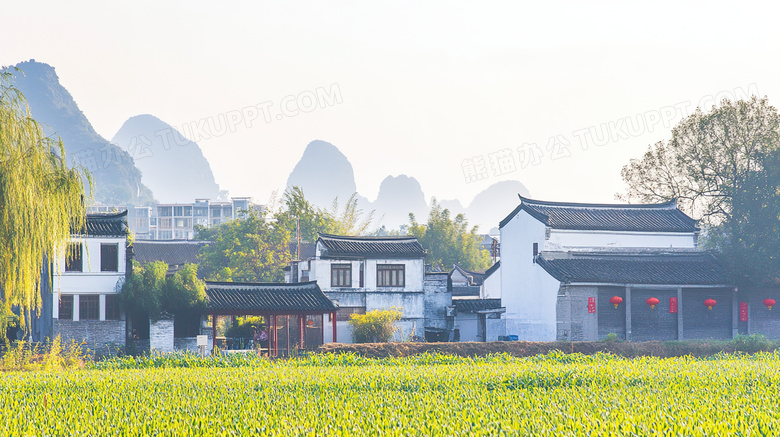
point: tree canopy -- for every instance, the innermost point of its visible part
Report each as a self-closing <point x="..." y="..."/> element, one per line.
<point x="449" y="241"/>
<point x="149" y="291"/>
<point x="41" y="201"/>
<point x="723" y="167"/>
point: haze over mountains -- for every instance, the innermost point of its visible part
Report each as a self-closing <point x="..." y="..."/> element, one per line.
<point x="173" y="167"/>
<point x="149" y="160"/>
<point x="116" y="180"/>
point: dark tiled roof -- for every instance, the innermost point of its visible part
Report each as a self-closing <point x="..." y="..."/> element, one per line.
<point x="371" y="247"/>
<point x="475" y="278"/>
<point x="173" y="253"/>
<point x="308" y="250"/>
<point x="662" y="217"/>
<point x="700" y="268"/>
<point x="105" y="225"/>
<point x="492" y="269"/>
<point x="468" y="290"/>
<point x="474" y="305"/>
<point x="280" y="298"/>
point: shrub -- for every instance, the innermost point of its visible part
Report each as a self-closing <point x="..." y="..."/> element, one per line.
<point x="376" y="326"/>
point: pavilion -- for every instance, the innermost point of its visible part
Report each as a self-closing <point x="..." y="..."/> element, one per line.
<point x="270" y="300"/>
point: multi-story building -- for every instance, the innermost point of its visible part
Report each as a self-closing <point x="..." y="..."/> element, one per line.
<point x="177" y="221"/>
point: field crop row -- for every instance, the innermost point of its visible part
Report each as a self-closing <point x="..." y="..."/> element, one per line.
<point x="554" y="394"/>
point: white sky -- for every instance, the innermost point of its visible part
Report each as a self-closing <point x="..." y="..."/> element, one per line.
<point x="423" y="86"/>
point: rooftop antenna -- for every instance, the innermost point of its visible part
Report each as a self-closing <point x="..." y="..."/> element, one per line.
<point x="298" y="236"/>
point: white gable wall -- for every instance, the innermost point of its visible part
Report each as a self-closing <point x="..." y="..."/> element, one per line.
<point x="528" y="292"/>
<point x="491" y="286"/>
<point x="576" y="240"/>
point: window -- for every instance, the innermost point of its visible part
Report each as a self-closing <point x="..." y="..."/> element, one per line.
<point x="89" y="307"/>
<point x="164" y="235"/>
<point x="215" y="212"/>
<point x="165" y="223"/>
<point x="66" y="307"/>
<point x="183" y="222"/>
<point x="109" y="257"/>
<point x="164" y="211"/>
<point x="344" y="313"/>
<point x="73" y="258"/>
<point x="112" y="307"/>
<point x="177" y="211"/>
<point x="153" y="221"/>
<point x="201" y="212"/>
<point x="390" y="275"/>
<point x="341" y="275"/>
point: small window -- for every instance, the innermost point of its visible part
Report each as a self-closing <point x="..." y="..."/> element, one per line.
<point x="344" y="313"/>
<point x="89" y="307"/>
<point x="164" y="211"/>
<point x="390" y="275"/>
<point x="109" y="257"/>
<point x="341" y="275"/>
<point x="112" y="307"/>
<point x="73" y="258"/>
<point x="66" y="307"/>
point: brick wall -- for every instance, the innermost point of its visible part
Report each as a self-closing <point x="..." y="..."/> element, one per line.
<point x="611" y="320"/>
<point x="652" y="323"/>
<point x="701" y="323"/>
<point x="101" y="336"/>
<point x="761" y="320"/>
<point x="575" y="323"/>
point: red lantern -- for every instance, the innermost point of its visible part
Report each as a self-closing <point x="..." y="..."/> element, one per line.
<point x="616" y="300"/>
<point x="310" y="322"/>
<point x="652" y="302"/>
<point x="769" y="303"/>
<point x="710" y="303"/>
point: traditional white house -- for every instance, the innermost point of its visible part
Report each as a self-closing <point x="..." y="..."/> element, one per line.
<point x="582" y="271"/>
<point x="366" y="273"/>
<point x="85" y="304"/>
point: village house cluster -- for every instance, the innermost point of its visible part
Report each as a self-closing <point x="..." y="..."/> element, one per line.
<point x="566" y="271"/>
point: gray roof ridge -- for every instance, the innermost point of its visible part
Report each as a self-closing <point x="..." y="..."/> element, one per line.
<point x="670" y="204"/>
<point x="365" y="237"/>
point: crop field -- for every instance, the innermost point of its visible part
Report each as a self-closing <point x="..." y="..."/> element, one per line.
<point x="553" y="394"/>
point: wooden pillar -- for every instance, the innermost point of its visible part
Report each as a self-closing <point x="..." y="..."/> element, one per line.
<point x="301" y="332"/>
<point x="214" y="330"/>
<point x="287" y="337"/>
<point x="322" y="329"/>
<point x="734" y="314"/>
<point x="628" y="313"/>
<point x="273" y="335"/>
<point x="333" y="318"/>
<point x="680" y="332"/>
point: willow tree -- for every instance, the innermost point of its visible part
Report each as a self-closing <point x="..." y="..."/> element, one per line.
<point x="41" y="200"/>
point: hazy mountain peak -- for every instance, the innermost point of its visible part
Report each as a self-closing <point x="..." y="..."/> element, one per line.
<point x="173" y="166"/>
<point x="323" y="173"/>
<point x="399" y="196"/>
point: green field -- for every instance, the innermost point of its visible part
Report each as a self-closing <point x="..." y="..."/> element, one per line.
<point x="425" y="395"/>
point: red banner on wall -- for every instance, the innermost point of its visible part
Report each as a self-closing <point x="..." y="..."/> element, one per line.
<point x="743" y="312"/>
<point x="672" y="304"/>
<point x="591" y="304"/>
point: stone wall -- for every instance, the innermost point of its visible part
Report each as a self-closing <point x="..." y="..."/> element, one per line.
<point x="701" y="323"/>
<point x="762" y="320"/>
<point x="438" y="297"/>
<point x="611" y="320"/>
<point x="101" y="336"/>
<point x="653" y="323"/>
<point x="574" y="322"/>
<point x="161" y="335"/>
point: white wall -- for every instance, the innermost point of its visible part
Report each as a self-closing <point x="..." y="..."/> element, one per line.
<point x="491" y="286"/>
<point x="90" y="280"/>
<point x="528" y="292"/>
<point x="468" y="326"/>
<point x="563" y="239"/>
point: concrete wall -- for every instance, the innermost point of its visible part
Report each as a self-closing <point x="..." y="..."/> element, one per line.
<point x="528" y="292"/>
<point x="611" y="320"/>
<point x="468" y="327"/>
<point x="437" y="297"/>
<point x="103" y="337"/>
<point x="701" y="323"/>
<point x="653" y="323"/>
<point x="494" y="327"/>
<point x="563" y="239"/>
<point x="161" y="335"/>
<point x="414" y="270"/>
<point x="575" y="323"/>
<point x="762" y="320"/>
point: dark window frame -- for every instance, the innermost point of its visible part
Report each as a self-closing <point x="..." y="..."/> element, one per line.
<point x="66" y="307"/>
<point x="113" y="311"/>
<point x="392" y="275"/>
<point x="346" y="278"/>
<point x="89" y="307"/>
<point x="74" y="259"/>
<point x="113" y="264"/>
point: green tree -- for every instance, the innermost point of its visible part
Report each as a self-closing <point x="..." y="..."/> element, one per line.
<point x="350" y="221"/>
<point x="247" y="249"/>
<point x="449" y="241"/>
<point x="722" y="166"/>
<point x="41" y="202"/>
<point x="150" y="291"/>
<point x="312" y="219"/>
